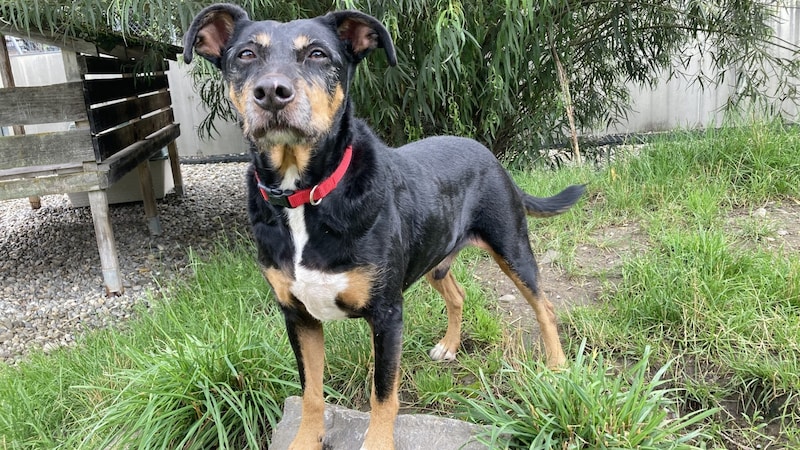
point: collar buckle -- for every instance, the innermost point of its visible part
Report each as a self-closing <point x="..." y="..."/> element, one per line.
<point x="288" y="198"/>
<point x="279" y="197"/>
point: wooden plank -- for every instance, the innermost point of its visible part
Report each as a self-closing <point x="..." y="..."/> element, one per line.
<point x="129" y="51"/>
<point x="74" y="182"/>
<point x="72" y="70"/>
<point x="97" y="65"/>
<point x="7" y="77"/>
<point x="129" y="158"/>
<point x="46" y="149"/>
<point x="110" y="89"/>
<point x="42" y="104"/>
<point x="110" y="116"/>
<point x="40" y="171"/>
<point x="109" y="143"/>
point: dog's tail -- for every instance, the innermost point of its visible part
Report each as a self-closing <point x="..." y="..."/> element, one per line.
<point x="551" y="206"/>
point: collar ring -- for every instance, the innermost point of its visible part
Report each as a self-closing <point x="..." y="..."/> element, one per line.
<point x="311" y="200"/>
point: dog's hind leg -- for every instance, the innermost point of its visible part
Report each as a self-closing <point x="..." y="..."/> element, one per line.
<point x="523" y="272"/>
<point x="453" y="295"/>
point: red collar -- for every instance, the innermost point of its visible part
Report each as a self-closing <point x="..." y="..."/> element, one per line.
<point x="313" y="195"/>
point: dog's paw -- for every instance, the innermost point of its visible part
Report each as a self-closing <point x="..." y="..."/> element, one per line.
<point x="306" y="441"/>
<point x="382" y="446"/>
<point x="441" y="353"/>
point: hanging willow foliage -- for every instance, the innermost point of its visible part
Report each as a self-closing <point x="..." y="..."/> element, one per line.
<point x="487" y="68"/>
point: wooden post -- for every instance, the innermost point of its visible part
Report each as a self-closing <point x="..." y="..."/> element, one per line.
<point x="7" y="77"/>
<point x="98" y="201"/>
<point x="175" y="165"/>
<point x="109" y="261"/>
<point x="149" y="198"/>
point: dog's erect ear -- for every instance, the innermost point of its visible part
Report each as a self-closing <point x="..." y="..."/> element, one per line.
<point x="362" y="33"/>
<point x="210" y="31"/>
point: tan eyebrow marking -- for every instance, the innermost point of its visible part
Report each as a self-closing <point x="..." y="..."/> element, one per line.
<point x="263" y="39"/>
<point x="301" y="42"/>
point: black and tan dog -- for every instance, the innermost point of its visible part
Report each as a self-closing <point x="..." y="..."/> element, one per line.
<point x="344" y="224"/>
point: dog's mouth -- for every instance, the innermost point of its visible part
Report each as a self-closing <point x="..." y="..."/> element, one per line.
<point x="277" y="131"/>
<point x="273" y="127"/>
<point x="270" y="137"/>
<point x="293" y="124"/>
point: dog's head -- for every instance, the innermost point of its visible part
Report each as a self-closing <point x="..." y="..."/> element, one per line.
<point x="288" y="81"/>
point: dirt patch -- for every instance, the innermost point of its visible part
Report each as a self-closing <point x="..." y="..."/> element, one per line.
<point x="566" y="284"/>
<point x="773" y="227"/>
<point x="597" y="262"/>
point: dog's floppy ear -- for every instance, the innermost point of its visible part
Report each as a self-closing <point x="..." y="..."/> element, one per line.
<point x="211" y="30"/>
<point x="362" y="34"/>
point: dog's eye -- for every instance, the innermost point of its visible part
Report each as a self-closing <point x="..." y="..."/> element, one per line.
<point x="317" y="54"/>
<point x="247" y="54"/>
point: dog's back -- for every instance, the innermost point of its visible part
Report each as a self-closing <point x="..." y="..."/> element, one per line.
<point x="461" y="165"/>
<point x="452" y="192"/>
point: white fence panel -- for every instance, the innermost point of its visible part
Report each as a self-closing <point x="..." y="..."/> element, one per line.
<point x="677" y="103"/>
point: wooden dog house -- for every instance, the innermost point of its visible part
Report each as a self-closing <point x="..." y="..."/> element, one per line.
<point x="119" y="116"/>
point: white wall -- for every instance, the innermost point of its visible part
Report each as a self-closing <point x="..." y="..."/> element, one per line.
<point x="677" y="103"/>
<point x="189" y="112"/>
<point x="38" y="69"/>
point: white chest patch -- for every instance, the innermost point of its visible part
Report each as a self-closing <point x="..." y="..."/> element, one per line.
<point x="315" y="289"/>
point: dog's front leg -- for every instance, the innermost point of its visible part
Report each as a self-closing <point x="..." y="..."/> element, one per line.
<point x="387" y="335"/>
<point x="308" y="343"/>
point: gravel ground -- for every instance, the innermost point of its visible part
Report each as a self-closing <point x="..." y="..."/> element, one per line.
<point x="51" y="287"/>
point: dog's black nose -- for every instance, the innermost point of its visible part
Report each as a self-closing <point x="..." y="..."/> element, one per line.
<point x="273" y="92"/>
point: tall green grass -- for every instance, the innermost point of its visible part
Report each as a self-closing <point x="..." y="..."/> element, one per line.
<point x="696" y="292"/>
<point x="587" y="405"/>
<point x="206" y="365"/>
<point x="733" y="167"/>
<point x="703" y="290"/>
<point x="209" y="366"/>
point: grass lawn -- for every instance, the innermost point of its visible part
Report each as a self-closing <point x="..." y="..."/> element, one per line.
<point x="691" y="343"/>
